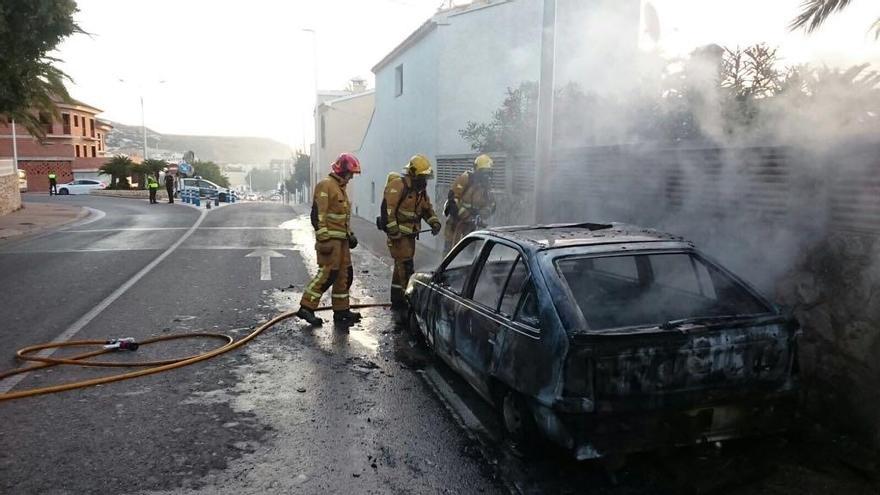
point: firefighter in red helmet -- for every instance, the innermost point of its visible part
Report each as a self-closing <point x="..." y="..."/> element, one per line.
<point x="331" y="218"/>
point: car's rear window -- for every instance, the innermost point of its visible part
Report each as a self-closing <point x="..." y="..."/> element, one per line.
<point x="651" y="289"/>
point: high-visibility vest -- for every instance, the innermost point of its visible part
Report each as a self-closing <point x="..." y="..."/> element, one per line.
<point x="153" y="184"/>
<point x="51" y="175"/>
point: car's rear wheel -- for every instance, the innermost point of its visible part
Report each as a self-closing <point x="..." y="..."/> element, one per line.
<point x="63" y="191"/>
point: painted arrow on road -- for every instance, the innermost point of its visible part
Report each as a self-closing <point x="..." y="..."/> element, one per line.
<point x="265" y="256"/>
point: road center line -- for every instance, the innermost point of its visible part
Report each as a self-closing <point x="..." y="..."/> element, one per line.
<point x="84" y="320"/>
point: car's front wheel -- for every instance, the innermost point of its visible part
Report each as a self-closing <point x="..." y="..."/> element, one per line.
<point x="518" y="419"/>
<point x="63" y="191"/>
<point x="414" y="327"/>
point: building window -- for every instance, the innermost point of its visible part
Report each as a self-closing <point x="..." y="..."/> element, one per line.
<point x="398" y="80"/>
<point x="76" y="120"/>
<point x="92" y="127"/>
<point x="77" y="150"/>
<point x="46" y="122"/>
<point x="94" y="152"/>
<point x="65" y="121"/>
<point x="100" y="143"/>
<point x="373" y="192"/>
<point x="323" y="133"/>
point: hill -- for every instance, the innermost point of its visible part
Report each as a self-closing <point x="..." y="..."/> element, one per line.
<point x="221" y="149"/>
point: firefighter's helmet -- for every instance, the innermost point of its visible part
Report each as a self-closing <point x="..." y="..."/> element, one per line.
<point x="420" y="167"/>
<point x="483" y="162"/>
<point x="346" y="162"/>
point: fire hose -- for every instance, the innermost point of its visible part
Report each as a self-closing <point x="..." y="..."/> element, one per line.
<point x="151" y="367"/>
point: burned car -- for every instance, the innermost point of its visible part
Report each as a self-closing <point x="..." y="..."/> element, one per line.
<point x="608" y="338"/>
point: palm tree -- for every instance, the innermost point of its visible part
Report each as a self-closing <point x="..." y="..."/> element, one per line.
<point x="815" y="12"/>
<point x="118" y="168"/>
<point x="139" y="173"/>
<point x="154" y="166"/>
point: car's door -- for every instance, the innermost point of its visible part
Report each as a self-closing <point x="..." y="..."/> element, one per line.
<point x="480" y="320"/>
<point x="447" y="287"/>
<point x="74" y="187"/>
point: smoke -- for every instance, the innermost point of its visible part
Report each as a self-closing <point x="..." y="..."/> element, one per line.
<point x="728" y="146"/>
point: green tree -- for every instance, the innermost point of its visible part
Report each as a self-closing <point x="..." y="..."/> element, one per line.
<point x="209" y="170"/>
<point x="29" y="80"/>
<point x="139" y="174"/>
<point x="118" y="168"/>
<point x="154" y="166"/>
<point x="300" y="177"/>
<point x="814" y="13"/>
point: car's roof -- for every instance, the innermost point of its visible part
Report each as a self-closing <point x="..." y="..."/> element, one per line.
<point x="581" y="234"/>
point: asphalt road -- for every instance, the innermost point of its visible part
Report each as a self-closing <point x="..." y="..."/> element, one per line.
<point x="298" y="410"/>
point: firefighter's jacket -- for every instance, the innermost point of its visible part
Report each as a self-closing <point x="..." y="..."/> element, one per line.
<point x="471" y="198"/>
<point x="406" y="208"/>
<point x="331" y="210"/>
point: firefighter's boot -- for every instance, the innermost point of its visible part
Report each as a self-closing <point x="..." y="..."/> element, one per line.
<point x="309" y="316"/>
<point x="346" y="316"/>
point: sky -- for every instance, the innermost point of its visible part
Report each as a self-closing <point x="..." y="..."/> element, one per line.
<point x="246" y="68"/>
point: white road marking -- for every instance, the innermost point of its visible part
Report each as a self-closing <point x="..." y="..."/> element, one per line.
<point x="84" y="320"/>
<point x="265" y="256"/>
<point x="234" y="248"/>
<point x="94" y="215"/>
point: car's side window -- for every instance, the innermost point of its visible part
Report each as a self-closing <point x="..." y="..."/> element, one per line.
<point x="493" y="274"/>
<point x="527" y="314"/>
<point x="454" y="274"/>
<point x="519" y="277"/>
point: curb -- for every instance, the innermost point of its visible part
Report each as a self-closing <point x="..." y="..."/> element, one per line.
<point x="42" y="231"/>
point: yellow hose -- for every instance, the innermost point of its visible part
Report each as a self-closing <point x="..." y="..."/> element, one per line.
<point x="151" y="366"/>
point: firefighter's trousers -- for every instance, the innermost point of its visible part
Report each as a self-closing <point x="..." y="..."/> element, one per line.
<point x="334" y="269"/>
<point x="402" y="250"/>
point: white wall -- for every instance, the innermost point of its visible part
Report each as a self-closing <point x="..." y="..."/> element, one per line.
<point x="402" y="125"/>
<point x="485" y="51"/>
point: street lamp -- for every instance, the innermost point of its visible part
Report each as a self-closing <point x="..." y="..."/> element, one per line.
<point x="544" y="134"/>
<point x="143" y="121"/>
<point x="314" y="159"/>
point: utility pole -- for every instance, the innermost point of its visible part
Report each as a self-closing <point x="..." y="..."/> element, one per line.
<point x="144" y="127"/>
<point x="544" y="134"/>
<point x="14" y="150"/>
<point x="313" y="172"/>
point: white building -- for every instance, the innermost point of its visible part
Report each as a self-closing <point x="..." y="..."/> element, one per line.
<point x="458" y="65"/>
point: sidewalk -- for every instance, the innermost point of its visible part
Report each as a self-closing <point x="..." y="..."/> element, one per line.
<point x="34" y="218"/>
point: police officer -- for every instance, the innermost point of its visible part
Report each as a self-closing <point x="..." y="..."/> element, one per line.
<point x="407" y="204"/>
<point x="153" y="185"/>
<point x="169" y="186"/>
<point x="53" y="184"/>
<point x="331" y="218"/>
<point x="469" y="202"/>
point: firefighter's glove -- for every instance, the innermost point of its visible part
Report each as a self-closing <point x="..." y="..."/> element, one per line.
<point x="352" y="241"/>
<point x="435" y="228"/>
<point x="322" y="236"/>
<point x="393" y="232"/>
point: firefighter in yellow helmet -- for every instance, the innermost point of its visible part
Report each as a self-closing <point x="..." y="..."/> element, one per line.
<point x="469" y="201"/>
<point x="406" y="204"/>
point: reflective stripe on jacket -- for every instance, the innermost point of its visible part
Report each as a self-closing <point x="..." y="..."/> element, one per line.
<point x="405" y="214"/>
<point x="331" y="211"/>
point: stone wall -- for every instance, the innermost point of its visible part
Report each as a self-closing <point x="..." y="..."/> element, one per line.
<point x="10" y="198"/>
<point x="132" y="194"/>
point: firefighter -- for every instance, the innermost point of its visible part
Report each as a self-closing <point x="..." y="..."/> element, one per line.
<point x="331" y="218"/>
<point x="406" y="204"/>
<point x="469" y="202"/>
<point x="53" y="183"/>
<point x="153" y="186"/>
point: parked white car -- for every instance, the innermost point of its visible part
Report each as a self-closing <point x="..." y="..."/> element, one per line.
<point x="80" y="186"/>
